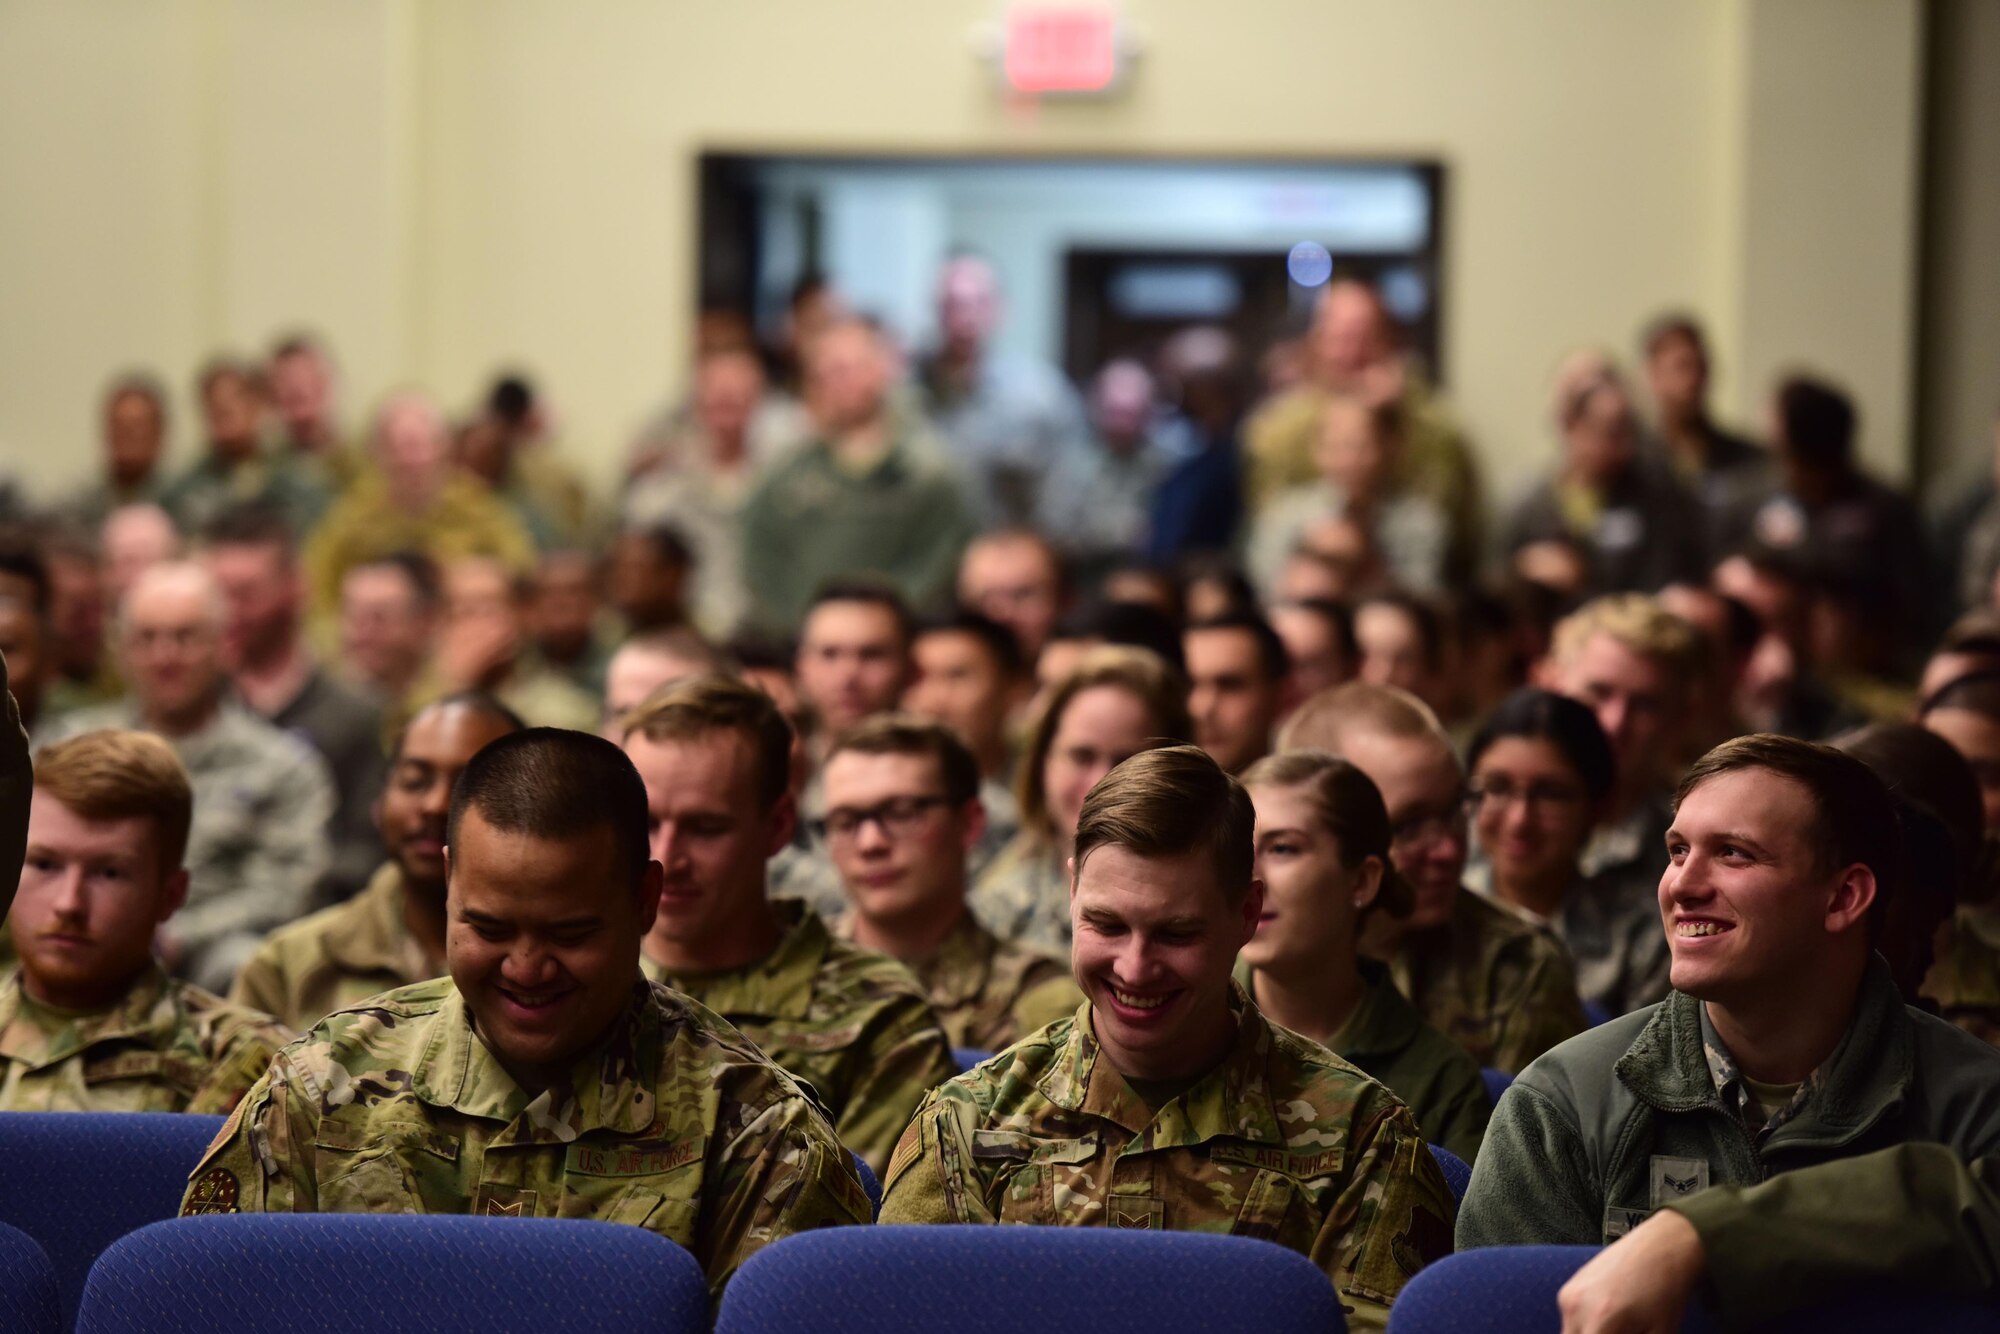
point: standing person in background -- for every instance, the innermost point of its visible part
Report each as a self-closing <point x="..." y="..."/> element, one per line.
<point x="1352" y="348"/>
<point x="253" y="558"/>
<point x="1116" y="702"/>
<point x="1729" y="476"/>
<point x="1499" y="986"/>
<point x="715" y="758"/>
<point x="1097" y="505"/>
<point x="902" y="813"/>
<point x="135" y="447"/>
<point x="870" y="495"/>
<point x="1199" y="505"/>
<point x="1011" y="422"/>
<point x="235" y="467"/>
<point x="393" y="932"/>
<point x="89" y="1022"/>
<point x="412" y="499"/>
<point x="1323" y="855"/>
<point x="258" y="844"/>
<point x="510" y="446"/>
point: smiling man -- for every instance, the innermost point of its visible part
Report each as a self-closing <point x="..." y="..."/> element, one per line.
<point x="1167" y="1100"/>
<point x="89" y="1022"/>
<point x="1784" y="1042"/>
<point x="544" y="1078"/>
<point x="715" y="756"/>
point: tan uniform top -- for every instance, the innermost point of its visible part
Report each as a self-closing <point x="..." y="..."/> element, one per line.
<point x="167" y="1047"/>
<point x="852" y="1023"/>
<point x="987" y="993"/>
<point x="1491" y="981"/>
<point x="672" y="1123"/>
<point x="1023" y="895"/>
<point x="337" y="956"/>
<point x="1965" y="979"/>
<point x="1283" y="1141"/>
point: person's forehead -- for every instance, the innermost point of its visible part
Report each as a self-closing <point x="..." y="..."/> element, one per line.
<point x="1965" y="729"/>
<point x="449" y="735"/>
<point x="1604" y="659"/>
<point x="1219" y="649"/>
<point x="1009" y="560"/>
<point x="706" y="762"/>
<point x="1757" y="803"/>
<point x="167" y="606"/>
<point x="548" y="877"/>
<point x="1116" y="878"/>
<point x="855" y="777"/>
<point x="847" y="622"/>
<point x="54" y="823"/>
<point x="1406" y="769"/>
<point x="1525" y="755"/>
<point x="1099" y="709"/>
<point x="937" y="650"/>
<point x="1299" y="626"/>
<point x="1385" y="623"/>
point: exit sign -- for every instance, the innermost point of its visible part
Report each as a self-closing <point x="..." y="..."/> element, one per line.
<point x="1060" y="48"/>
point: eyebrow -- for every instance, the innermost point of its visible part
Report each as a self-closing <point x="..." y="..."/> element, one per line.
<point x="1721" y="836"/>
<point x="1281" y="831"/>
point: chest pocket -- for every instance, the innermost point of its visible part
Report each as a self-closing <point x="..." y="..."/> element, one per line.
<point x="1045" y="1181"/>
<point x="377" y="1172"/>
<point x="1270" y="1209"/>
<point x="599" y="1182"/>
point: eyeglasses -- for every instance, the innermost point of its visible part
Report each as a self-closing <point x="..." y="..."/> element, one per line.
<point x="898" y="816"/>
<point x="1535" y="796"/>
<point x="1429" y="827"/>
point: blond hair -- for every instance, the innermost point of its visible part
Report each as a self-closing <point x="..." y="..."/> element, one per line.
<point x="696" y="706"/>
<point x="1325" y="720"/>
<point x="1139" y="672"/>
<point x="115" y="774"/>
<point x="1642" y="626"/>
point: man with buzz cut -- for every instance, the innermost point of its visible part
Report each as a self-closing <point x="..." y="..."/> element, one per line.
<point x="715" y="754"/>
<point x="1784" y="1043"/>
<point x="1167" y="1100"/>
<point x="902" y="816"/>
<point x="544" y="1078"/>
<point x="393" y="932"/>
<point x="88" y="1021"/>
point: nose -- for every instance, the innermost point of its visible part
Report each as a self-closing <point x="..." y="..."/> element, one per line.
<point x="1134" y="962"/>
<point x="71" y="903"/>
<point x="526" y="963"/>
<point x="437" y="797"/>
<point x="1687" y="883"/>
<point x="667" y="848"/>
<point x="872" y="835"/>
<point x="1612" y="715"/>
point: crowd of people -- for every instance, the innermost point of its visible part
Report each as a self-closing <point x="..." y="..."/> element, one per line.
<point x="1209" y="749"/>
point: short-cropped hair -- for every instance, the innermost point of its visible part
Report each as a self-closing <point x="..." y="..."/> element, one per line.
<point x="1273" y="661"/>
<point x="1330" y="716"/>
<point x="695" y="706"/>
<point x="115" y="774"/>
<point x="1642" y="626"/>
<point x="552" y="783"/>
<point x="1854" y="815"/>
<point x="901" y="734"/>
<point x="1168" y="803"/>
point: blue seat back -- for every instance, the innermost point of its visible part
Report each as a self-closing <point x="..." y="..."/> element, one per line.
<point x="868" y="1181"/>
<point x="967" y="1057"/>
<point x="1457" y="1172"/>
<point x="1597" y="1012"/>
<point x="1496" y="1082"/>
<point x="28" y="1300"/>
<point x="1026" y="1280"/>
<point x="322" y="1273"/>
<point x="78" y="1181"/>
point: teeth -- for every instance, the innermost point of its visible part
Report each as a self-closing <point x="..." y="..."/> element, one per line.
<point x="1138" y="1002"/>
<point x="1698" y="929"/>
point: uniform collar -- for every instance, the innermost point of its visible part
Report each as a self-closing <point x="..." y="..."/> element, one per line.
<point x="1864" y="1079"/>
<point x="1383" y="1023"/>
<point x="956" y="972"/>
<point x="1231" y="1101"/>
<point x="373" y="938"/>
<point x="39" y="1036"/>
<point x="778" y="986"/>
<point x="610" y="1087"/>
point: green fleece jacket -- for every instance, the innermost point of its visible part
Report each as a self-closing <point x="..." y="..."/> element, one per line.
<point x="1629" y="1116"/>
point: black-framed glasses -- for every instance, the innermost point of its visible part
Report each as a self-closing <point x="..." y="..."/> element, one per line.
<point x="1535" y="796"/>
<point x="897" y="816"/>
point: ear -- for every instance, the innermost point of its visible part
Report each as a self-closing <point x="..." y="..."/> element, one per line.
<point x="1069" y="869"/>
<point x="1367" y="882"/>
<point x="1853" y="895"/>
<point x="974" y="815"/>
<point x="651" y="881"/>
<point x="781" y="822"/>
<point x="1253" y="908"/>
<point x="172" y="895"/>
<point x="1543" y="673"/>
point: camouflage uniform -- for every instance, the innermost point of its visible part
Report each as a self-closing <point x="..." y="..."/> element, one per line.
<point x="1387" y="1040"/>
<point x="850" y="1022"/>
<point x="986" y="993"/>
<point x="262" y="800"/>
<point x="17" y="781"/>
<point x="1491" y="981"/>
<point x="336" y="957"/>
<point x="1282" y="1141"/>
<point x="1023" y="895"/>
<point x="297" y="488"/>
<point x="166" y="1047"/>
<point x="1965" y="980"/>
<point x="673" y="1123"/>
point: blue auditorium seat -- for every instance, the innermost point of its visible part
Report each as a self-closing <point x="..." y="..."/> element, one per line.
<point x="1496" y="1082"/>
<point x="1457" y="1172"/>
<point x="338" y="1273"/>
<point x="28" y="1300"/>
<point x="868" y="1181"/>
<point x="1026" y="1280"/>
<point x="78" y="1181"/>
<point x="1512" y="1290"/>
<point x="967" y="1057"/>
<point x="1596" y="1012"/>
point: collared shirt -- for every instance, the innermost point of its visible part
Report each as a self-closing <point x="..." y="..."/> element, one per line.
<point x="1280" y="1141"/>
<point x="258" y="844"/>
<point x="1023" y="895"/>
<point x="166" y="1047"/>
<point x="1491" y="981"/>
<point x="336" y="957"/>
<point x="986" y="993"/>
<point x="852" y="1023"/>
<point x="1735" y="1090"/>
<point x="1965" y="979"/>
<point x="672" y="1123"/>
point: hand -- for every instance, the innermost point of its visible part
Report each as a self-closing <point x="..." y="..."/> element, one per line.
<point x="1640" y="1284"/>
<point x="475" y="650"/>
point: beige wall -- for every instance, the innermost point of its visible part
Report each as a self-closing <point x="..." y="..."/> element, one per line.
<point x="444" y="187"/>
